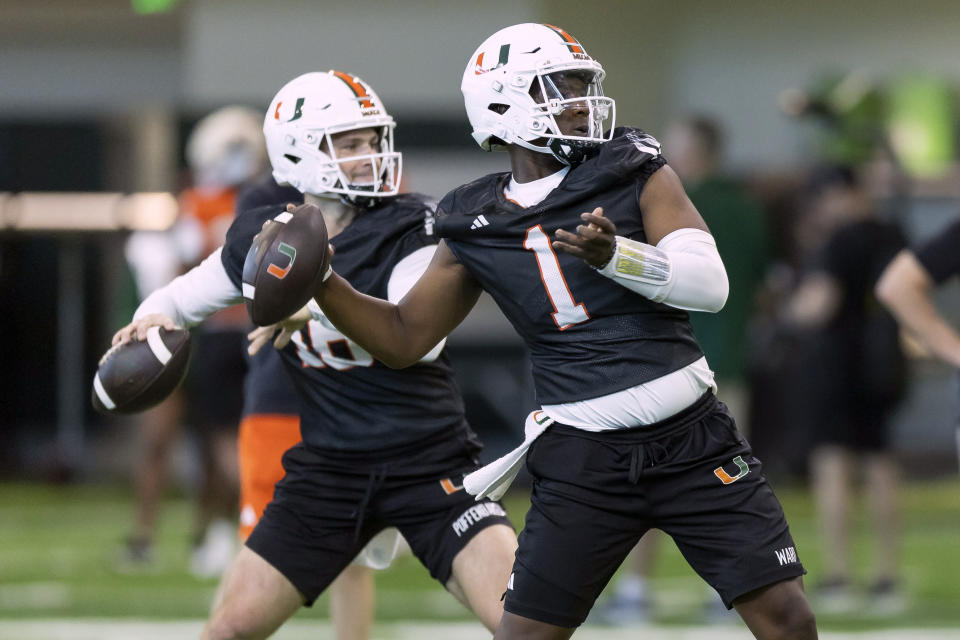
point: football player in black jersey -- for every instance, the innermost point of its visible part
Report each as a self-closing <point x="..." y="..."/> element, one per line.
<point x="381" y="448"/>
<point x="593" y="251"/>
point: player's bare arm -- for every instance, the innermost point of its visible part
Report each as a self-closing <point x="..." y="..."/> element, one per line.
<point x="398" y="335"/>
<point x="665" y="206"/>
<point x="906" y="288"/>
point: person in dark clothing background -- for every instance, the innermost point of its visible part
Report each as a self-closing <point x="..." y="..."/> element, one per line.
<point x="856" y="378"/>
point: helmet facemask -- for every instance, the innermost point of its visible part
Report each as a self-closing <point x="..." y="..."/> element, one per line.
<point x="555" y="90"/>
<point x="385" y="166"/>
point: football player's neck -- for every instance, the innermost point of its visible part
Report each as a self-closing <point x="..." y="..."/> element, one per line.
<point x="336" y="213"/>
<point x="528" y="165"/>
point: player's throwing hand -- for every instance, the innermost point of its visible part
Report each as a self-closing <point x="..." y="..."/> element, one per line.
<point x="594" y="241"/>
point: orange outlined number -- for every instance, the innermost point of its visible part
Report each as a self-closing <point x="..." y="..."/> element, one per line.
<point x="567" y="312"/>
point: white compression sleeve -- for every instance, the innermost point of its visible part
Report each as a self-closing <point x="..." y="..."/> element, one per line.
<point x="684" y="270"/>
<point x="190" y="298"/>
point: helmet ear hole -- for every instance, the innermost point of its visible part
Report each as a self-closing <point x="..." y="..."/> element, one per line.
<point x="293" y="159"/>
<point x="498" y="108"/>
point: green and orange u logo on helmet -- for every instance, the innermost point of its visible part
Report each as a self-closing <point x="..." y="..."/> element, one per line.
<point x="297" y="110"/>
<point x="288" y="251"/>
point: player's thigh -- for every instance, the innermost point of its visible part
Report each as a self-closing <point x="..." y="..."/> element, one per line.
<point x="256" y="600"/>
<point x="314" y="525"/>
<point x="584" y="518"/>
<point x="481" y="570"/>
<point x="439" y="523"/>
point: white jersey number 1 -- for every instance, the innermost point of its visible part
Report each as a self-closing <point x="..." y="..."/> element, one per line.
<point x="567" y="312"/>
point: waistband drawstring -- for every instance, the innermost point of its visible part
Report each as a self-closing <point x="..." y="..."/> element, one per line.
<point x="651" y="453"/>
<point x="377" y="476"/>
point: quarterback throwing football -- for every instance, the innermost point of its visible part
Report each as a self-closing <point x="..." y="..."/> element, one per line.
<point x="593" y="251"/>
<point x="381" y="448"/>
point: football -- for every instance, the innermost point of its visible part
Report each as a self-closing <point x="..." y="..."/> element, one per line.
<point x="284" y="264"/>
<point x="137" y="375"/>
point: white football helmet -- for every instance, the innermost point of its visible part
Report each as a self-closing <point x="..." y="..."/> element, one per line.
<point x="299" y="124"/>
<point x="523" y="76"/>
<point x="226" y="148"/>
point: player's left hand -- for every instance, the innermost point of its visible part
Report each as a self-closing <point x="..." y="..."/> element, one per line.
<point x="594" y="241"/>
<point x="261" y="335"/>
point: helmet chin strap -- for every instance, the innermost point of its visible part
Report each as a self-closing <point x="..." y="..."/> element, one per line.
<point x="532" y="147"/>
<point x="569" y="151"/>
<point x="353" y="201"/>
<point x="361" y="202"/>
<point x="566" y="151"/>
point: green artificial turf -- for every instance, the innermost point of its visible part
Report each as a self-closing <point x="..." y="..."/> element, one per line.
<point x="59" y="547"/>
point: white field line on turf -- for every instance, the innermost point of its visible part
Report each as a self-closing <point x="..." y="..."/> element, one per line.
<point x="100" y="629"/>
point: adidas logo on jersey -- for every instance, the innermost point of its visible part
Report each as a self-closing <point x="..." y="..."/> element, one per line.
<point x="479" y="222"/>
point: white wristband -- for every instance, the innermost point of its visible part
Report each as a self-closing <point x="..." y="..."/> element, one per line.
<point x="638" y="262"/>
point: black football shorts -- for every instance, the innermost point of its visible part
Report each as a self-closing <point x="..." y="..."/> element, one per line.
<point x="596" y="493"/>
<point x="328" y="506"/>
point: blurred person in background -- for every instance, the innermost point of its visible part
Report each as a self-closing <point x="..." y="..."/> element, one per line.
<point x="857" y="377"/>
<point x="695" y="147"/>
<point x="380" y="448"/>
<point x="224" y="150"/>
<point x="906" y="289"/>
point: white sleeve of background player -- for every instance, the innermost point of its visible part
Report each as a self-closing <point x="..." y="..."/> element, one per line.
<point x="153" y="259"/>
<point x="684" y="270"/>
<point x="404" y="276"/>
<point x="190" y="298"/>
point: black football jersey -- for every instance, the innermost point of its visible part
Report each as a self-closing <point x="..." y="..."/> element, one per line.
<point x="268" y="388"/>
<point x="588" y="336"/>
<point x="348" y="400"/>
